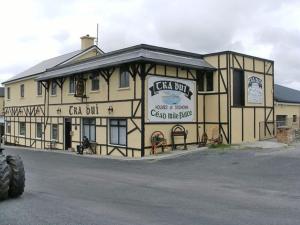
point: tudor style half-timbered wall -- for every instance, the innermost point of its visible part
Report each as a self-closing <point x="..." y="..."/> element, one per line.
<point x="215" y="104"/>
<point x="246" y="122"/>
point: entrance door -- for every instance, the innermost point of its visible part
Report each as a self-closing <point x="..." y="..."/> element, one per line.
<point x="68" y="137"/>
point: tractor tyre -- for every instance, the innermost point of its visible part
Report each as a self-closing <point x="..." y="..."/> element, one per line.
<point x="4" y="178"/>
<point x="17" y="176"/>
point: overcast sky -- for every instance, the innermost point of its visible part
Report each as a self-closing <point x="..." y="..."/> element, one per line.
<point x="34" y="30"/>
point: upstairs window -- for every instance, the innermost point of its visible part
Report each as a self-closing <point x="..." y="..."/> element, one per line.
<point x="124" y="77"/>
<point x="205" y="81"/>
<point x="72" y="85"/>
<point x="22" y="90"/>
<point x="238" y="88"/>
<point x="209" y="81"/>
<point x="39" y="88"/>
<point x="8" y="92"/>
<point x="53" y="88"/>
<point x="95" y="84"/>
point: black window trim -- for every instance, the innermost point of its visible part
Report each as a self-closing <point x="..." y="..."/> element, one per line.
<point x="124" y="70"/>
<point x="92" y="80"/>
<point x="118" y="125"/>
<point x="90" y="125"/>
<point x="22" y="90"/>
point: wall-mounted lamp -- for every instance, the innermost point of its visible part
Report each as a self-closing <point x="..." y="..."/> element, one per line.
<point x="58" y="111"/>
<point x="110" y="109"/>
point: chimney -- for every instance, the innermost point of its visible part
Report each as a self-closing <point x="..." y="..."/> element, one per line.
<point x="87" y="41"/>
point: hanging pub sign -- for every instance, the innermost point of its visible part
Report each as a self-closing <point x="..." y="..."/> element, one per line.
<point x="80" y="88"/>
<point x="255" y="90"/>
<point x="171" y="100"/>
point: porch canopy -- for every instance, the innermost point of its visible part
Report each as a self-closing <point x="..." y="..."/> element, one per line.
<point x="135" y="54"/>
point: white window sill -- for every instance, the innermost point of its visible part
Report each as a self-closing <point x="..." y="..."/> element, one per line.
<point x="95" y="91"/>
<point x="71" y="94"/>
<point x="53" y="95"/>
<point x="115" y="145"/>
<point x="124" y="89"/>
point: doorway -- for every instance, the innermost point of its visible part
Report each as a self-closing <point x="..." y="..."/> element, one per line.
<point x="68" y="136"/>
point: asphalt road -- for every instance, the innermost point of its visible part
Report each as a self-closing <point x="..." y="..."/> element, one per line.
<point x="231" y="188"/>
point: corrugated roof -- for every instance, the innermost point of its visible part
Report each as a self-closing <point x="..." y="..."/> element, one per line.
<point x="136" y="53"/>
<point x="285" y="94"/>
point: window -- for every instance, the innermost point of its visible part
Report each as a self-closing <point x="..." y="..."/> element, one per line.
<point x="124" y="77"/>
<point x="22" y="128"/>
<point x="281" y="120"/>
<point x="39" y="88"/>
<point x="238" y="88"/>
<point x="54" y="132"/>
<point x="89" y="128"/>
<point x="118" y="132"/>
<point x="72" y="85"/>
<point x="209" y="81"/>
<point x="8" y="127"/>
<point x="205" y="81"/>
<point x="294" y="118"/>
<point x="200" y="76"/>
<point x="95" y="83"/>
<point x="39" y="130"/>
<point x="53" y="88"/>
<point x="22" y="90"/>
<point x="8" y="93"/>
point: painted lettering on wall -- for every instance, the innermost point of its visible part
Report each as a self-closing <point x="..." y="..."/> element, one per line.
<point x="171" y="99"/>
<point x="86" y="110"/>
<point x="255" y="89"/>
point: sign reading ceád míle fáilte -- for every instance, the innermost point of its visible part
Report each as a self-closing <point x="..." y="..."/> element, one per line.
<point x="171" y="99"/>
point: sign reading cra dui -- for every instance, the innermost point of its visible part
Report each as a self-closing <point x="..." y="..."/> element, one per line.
<point x="171" y="99"/>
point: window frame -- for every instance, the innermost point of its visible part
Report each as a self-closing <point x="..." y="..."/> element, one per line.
<point x="124" y="83"/>
<point x="36" y="130"/>
<point x="72" y="81"/>
<point x="241" y="92"/>
<point x="294" y="118"/>
<point x="22" y="90"/>
<point x="92" y="83"/>
<point x="90" y="126"/>
<point x="118" y="126"/>
<point x="8" y="93"/>
<point x="57" y="131"/>
<point x="209" y="76"/>
<point x="8" y="125"/>
<point x="20" y="133"/>
<point x="39" y="91"/>
<point x="53" y="91"/>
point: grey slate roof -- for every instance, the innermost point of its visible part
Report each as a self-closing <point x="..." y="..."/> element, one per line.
<point x="136" y="53"/>
<point x="2" y="91"/>
<point x="46" y="64"/>
<point x="285" y="94"/>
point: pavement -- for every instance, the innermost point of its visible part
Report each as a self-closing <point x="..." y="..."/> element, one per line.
<point x="210" y="187"/>
<point x="269" y="144"/>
